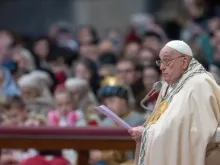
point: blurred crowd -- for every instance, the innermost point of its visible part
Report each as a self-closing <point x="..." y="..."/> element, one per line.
<point x="56" y="79"/>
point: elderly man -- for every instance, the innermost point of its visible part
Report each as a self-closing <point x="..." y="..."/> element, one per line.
<point x="186" y="115"/>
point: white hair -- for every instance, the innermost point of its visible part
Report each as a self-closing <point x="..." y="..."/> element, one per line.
<point x="73" y="83"/>
<point x="43" y="76"/>
<point x="28" y="57"/>
<point x="30" y="81"/>
<point x="34" y="81"/>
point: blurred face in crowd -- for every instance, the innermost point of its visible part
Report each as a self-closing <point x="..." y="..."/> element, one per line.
<point x="81" y="71"/>
<point x="116" y="104"/>
<point x="89" y="51"/>
<point x="146" y="57"/>
<point x="63" y="102"/>
<point x="16" y="116"/>
<point x="53" y="31"/>
<point x="105" y="46"/>
<point x="6" y="41"/>
<point x="115" y="37"/>
<point x="84" y="36"/>
<point x="29" y="94"/>
<point x="20" y="60"/>
<point x="216" y="41"/>
<point x="150" y="76"/>
<point x="107" y="70"/>
<point x="214" y="24"/>
<point x="152" y="42"/>
<point x="172" y="64"/>
<point x="41" y="48"/>
<point x="195" y="7"/>
<point x="126" y="72"/>
<point x="131" y="50"/>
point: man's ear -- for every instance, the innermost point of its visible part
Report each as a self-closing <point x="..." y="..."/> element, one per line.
<point x="185" y="62"/>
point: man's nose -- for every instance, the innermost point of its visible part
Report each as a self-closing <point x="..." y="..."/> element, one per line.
<point x="162" y="67"/>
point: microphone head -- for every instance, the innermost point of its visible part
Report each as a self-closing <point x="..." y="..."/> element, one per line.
<point x="157" y="86"/>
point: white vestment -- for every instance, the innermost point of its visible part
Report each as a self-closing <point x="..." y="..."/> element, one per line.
<point x="183" y="133"/>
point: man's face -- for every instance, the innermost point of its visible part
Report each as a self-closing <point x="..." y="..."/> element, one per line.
<point x="173" y="64"/>
<point x="126" y="72"/>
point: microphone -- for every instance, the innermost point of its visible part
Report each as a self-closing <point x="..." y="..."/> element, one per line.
<point x="156" y="88"/>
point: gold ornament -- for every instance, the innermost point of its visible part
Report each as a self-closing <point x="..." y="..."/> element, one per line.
<point x="158" y="112"/>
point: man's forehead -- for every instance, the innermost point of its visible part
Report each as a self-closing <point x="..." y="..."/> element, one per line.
<point x="167" y="52"/>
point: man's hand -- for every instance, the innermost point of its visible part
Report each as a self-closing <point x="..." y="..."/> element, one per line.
<point x="136" y="133"/>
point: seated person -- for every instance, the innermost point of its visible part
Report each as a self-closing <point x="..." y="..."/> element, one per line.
<point x="116" y="98"/>
<point x="64" y="114"/>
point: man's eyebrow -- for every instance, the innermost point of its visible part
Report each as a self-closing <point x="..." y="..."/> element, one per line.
<point x="166" y="57"/>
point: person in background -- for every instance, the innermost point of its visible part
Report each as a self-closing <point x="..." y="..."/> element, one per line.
<point x="130" y="74"/>
<point x="146" y="56"/>
<point x="132" y="50"/>
<point x="85" y="69"/>
<point x="107" y="70"/>
<point x="24" y="59"/>
<point x="65" y="39"/>
<point x="152" y="40"/>
<point x="7" y="85"/>
<point x="90" y="51"/>
<point x="6" y="45"/>
<point x="24" y="62"/>
<point x="42" y="51"/>
<point x="150" y="75"/>
<point x="35" y="94"/>
<point x="83" y="99"/>
<point x="64" y="115"/>
<point x="87" y="35"/>
<point x="116" y="37"/>
<point x="105" y="46"/>
<point x="127" y="72"/>
<point x="116" y="98"/>
<point x="17" y="113"/>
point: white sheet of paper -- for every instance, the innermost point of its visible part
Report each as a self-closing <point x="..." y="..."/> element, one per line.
<point x="107" y="112"/>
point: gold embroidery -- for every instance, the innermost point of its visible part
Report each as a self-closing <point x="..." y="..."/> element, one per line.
<point x="158" y="112"/>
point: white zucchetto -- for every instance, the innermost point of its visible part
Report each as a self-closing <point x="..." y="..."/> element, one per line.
<point x="181" y="47"/>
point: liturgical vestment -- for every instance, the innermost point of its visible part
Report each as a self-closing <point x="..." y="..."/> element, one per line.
<point x="185" y="119"/>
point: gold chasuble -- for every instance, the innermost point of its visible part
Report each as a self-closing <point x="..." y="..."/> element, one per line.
<point x="184" y="121"/>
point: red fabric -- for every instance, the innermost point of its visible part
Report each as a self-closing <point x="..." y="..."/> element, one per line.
<point x="153" y="97"/>
<point x="61" y="76"/>
<point x="93" y="123"/>
<point x="37" y="160"/>
<point x="59" y="161"/>
<point x="131" y="36"/>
